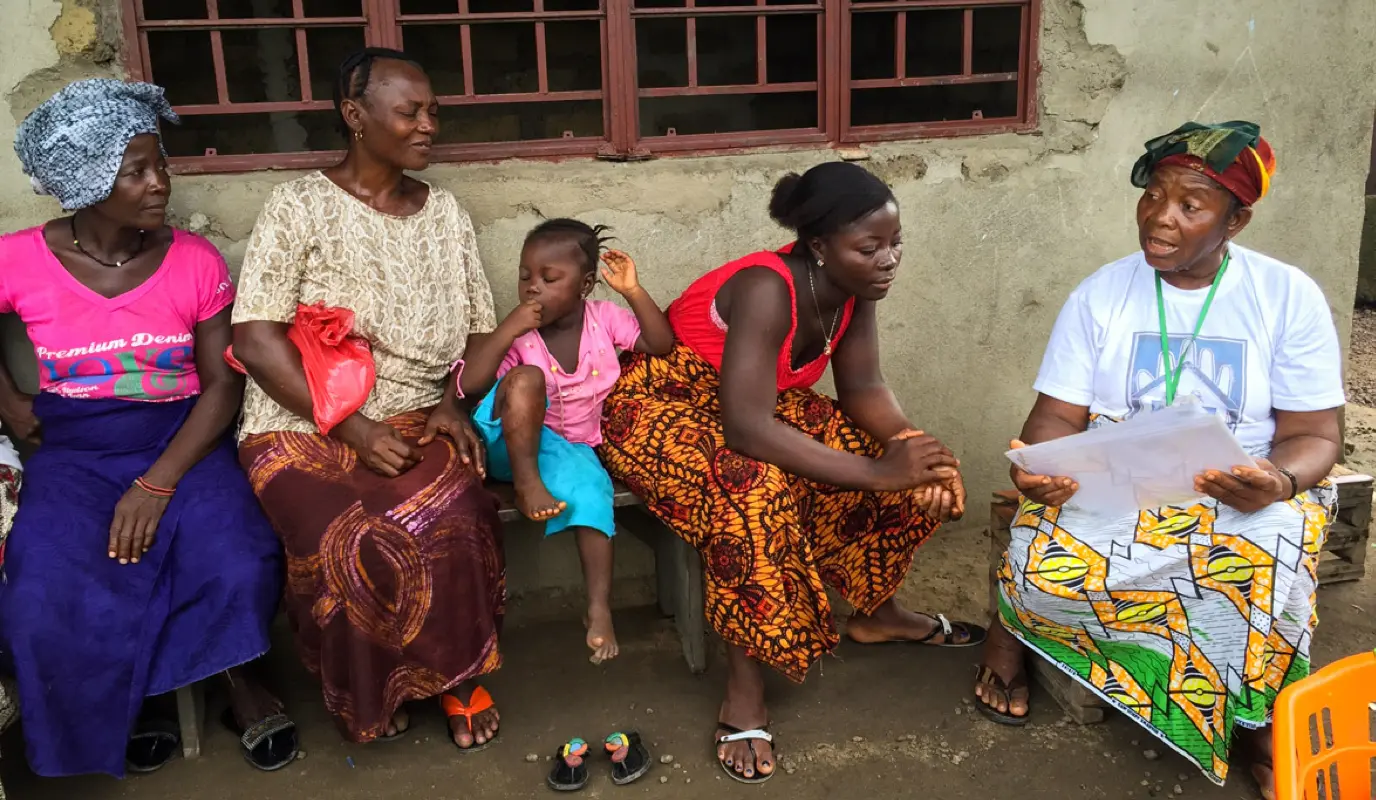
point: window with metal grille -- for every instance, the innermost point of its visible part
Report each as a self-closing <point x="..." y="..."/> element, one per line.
<point x="617" y="79"/>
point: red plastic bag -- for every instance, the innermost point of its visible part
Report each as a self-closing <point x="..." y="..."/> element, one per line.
<point x="339" y="365"/>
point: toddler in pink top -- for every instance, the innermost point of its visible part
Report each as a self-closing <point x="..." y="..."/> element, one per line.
<point x="554" y="360"/>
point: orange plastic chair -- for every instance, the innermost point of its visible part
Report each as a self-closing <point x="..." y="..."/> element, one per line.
<point x="1325" y="733"/>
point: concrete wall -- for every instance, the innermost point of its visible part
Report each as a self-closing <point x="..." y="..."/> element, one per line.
<point x="998" y="229"/>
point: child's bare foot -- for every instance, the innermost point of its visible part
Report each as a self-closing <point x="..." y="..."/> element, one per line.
<point x="601" y="635"/>
<point x="535" y="501"/>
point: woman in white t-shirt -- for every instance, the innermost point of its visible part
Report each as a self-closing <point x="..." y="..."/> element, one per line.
<point x="1190" y="620"/>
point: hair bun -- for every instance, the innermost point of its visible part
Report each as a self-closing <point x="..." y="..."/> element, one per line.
<point x="783" y="203"/>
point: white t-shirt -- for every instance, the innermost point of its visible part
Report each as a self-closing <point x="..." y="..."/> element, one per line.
<point x="1267" y="343"/>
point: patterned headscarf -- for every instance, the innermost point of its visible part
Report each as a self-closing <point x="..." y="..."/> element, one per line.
<point x="71" y="147"/>
<point x="1232" y="153"/>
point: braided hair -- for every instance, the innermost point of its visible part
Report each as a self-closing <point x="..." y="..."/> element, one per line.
<point x="589" y="239"/>
<point x="356" y="72"/>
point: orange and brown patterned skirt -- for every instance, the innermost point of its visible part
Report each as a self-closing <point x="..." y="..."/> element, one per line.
<point x="395" y="586"/>
<point x="770" y="541"/>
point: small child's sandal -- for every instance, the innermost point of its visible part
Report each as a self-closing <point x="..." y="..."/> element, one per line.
<point x="570" y="772"/>
<point x="630" y="759"/>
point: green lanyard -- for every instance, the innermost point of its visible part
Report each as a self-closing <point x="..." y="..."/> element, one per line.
<point x="1173" y="375"/>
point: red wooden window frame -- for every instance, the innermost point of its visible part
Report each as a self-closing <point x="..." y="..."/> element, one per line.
<point x="384" y="26"/>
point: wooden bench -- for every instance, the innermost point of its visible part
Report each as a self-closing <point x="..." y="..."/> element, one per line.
<point x="1344" y="552"/>
<point x="1343" y="558"/>
<point x="678" y="584"/>
<point x="678" y="567"/>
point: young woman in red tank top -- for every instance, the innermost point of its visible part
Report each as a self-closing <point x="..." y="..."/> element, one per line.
<point x="782" y="490"/>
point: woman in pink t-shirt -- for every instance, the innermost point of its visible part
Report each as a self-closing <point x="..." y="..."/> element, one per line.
<point x="139" y="561"/>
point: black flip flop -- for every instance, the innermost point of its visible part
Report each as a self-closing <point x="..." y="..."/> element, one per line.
<point x="734" y="734"/>
<point x="268" y="744"/>
<point x="988" y="677"/>
<point x="630" y="760"/>
<point x="570" y="771"/>
<point x="155" y="742"/>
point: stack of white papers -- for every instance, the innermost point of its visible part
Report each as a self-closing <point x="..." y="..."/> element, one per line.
<point x="1148" y="461"/>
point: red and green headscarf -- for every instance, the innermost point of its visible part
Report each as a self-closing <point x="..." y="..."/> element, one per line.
<point x="1232" y="153"/>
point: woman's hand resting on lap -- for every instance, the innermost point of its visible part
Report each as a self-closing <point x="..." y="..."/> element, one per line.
<point x="452" y="422"/>
<point x="1246" y="489"/>
<point x="135" y="524"/>
<point x="1044" y="489"/>
<point x="378" y="445"/>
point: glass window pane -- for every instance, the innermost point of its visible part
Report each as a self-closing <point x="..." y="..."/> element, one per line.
<point x="429" y="6"/>
<point x="247" y="134"/>
<point x="791" y="48"/>
<point x="261" y="65"/>
<point x="182" y="64"/>
<point x="519" y="122"/>
<point x="253" y="9"/>
<point x="726" y="50"/>
<point x="573" y="5"/>
<point x="504" y="59"/>
<point x="935" y="42"/>
<point x="933" y="103"/>
<point x="499" y="6"/>
<point x="872" y="46"/>
<point x="173" y="9"/>
<point x="327" y="48"/>
<point x="661" y="52"/>
<point x="997" y="40"/>
<point x="440" y="49"/>
<point x="573" y="55"/>
<point x="727" y="113"/>
<point x="333" y="8"/>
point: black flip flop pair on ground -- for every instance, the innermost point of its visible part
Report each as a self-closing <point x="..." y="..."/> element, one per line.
<point x="630" y="761"/>
<point x="269" y="744"/>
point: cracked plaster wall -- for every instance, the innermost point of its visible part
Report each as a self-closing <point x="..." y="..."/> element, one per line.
<point x="998" y="229"/>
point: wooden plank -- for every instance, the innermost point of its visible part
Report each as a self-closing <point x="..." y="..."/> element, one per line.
<point x="190" y="718"/>
<point x="678" y="575"/>
<point x="1336" y="569"/>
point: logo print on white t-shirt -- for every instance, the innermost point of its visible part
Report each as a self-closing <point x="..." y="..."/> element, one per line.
<point x="1215" y="372"/>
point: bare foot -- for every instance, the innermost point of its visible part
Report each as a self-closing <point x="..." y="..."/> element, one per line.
<point x="744" y="709"/>
<point x="1003" y="654"/>
<point x="249" y="699"/>
<point x="601" y="634"/>
<point x="485" y="723"/>
<point x="894" y="623"/>
<point x="399" y="724"/>
<point x="535" y="501"/>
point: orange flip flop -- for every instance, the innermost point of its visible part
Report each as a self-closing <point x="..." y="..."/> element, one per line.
<point x="478" y="702"/>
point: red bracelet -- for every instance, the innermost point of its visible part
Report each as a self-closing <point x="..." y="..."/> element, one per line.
<point x="156" y="491"/>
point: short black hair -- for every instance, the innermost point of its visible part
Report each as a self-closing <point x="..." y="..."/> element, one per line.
<point x="826" y="198"/>
<point x="356" y="72"/>
<point x="589" y="239"/>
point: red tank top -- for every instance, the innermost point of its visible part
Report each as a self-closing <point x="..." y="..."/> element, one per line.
<point x="697" y="324"/>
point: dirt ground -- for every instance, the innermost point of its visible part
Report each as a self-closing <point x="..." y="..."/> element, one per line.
<point x="883" y="722"/>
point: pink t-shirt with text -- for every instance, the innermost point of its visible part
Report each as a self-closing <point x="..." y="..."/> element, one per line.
<point x="575" y="400"/>
<point x="137" y="346"/>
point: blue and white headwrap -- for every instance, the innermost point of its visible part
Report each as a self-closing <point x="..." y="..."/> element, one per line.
<point x="71" y="147"/>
